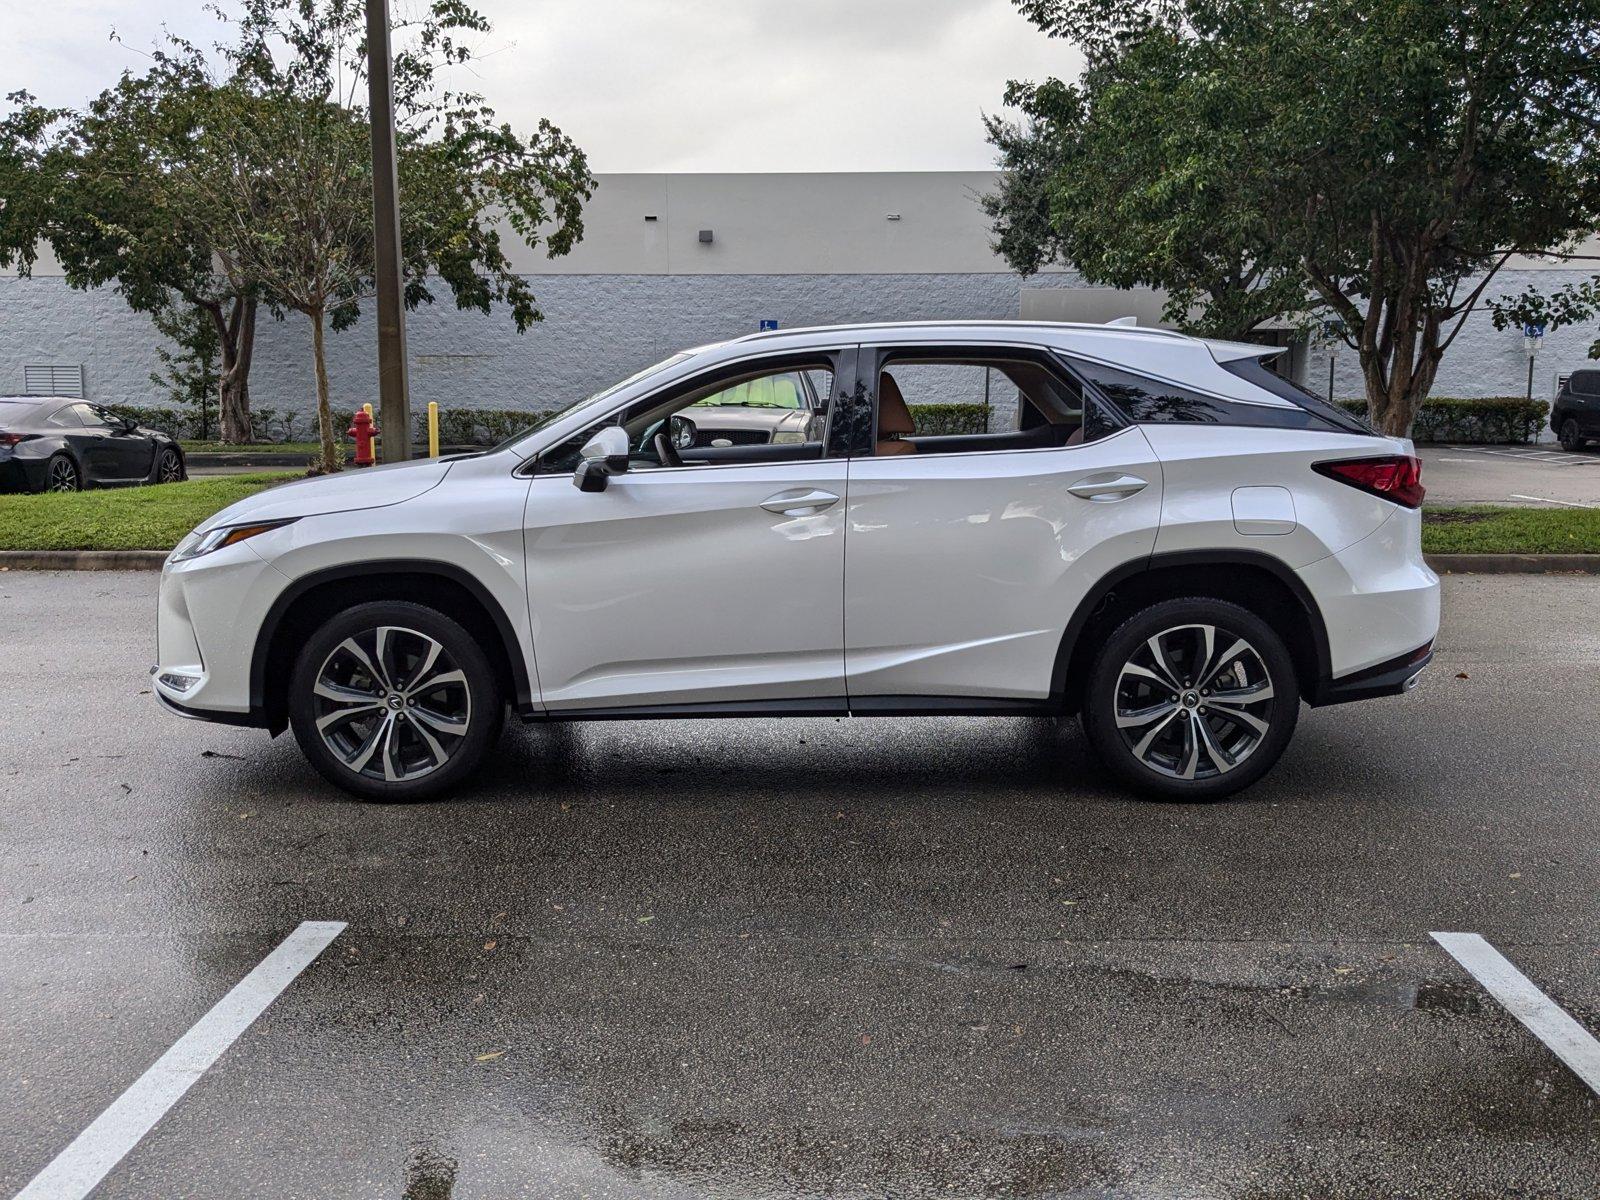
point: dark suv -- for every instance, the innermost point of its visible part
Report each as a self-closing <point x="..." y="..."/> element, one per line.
<point x="1575" y="416"/>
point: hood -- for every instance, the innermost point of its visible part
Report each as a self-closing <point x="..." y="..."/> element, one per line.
<point x="351" y="489"/>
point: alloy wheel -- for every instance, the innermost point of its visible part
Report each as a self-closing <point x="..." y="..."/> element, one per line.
<point x="63" y="475"/>
<point x="171" y="467"/>
<point x="392" y="703"/>
<point x="1194" y="701"/>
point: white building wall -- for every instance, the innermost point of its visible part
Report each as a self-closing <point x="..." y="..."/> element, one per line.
<point x="800" y="249"/>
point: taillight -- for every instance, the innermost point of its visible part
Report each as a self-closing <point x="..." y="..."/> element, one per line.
<point x="11" y="439"/>
<point x="1396" y="477"/>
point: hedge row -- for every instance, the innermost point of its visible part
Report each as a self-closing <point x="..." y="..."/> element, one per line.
<point x="1489" y="420"/>
<point x="457" y="426"/>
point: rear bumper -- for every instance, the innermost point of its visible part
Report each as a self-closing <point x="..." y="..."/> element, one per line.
<point x="1393" y="678"/>
<point x="1380" y="608"/>
<point x="20" y="474"/>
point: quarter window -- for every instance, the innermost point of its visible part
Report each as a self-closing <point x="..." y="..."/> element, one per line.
<point x="1157" y="402"/>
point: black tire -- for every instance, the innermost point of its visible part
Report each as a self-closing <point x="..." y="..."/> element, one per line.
<point x="61" y="474"/>
<point x="169" y="466"/>
<point x="1570" y="438"/>
<point x="1222" y="748"/>
<point x="383" y="750"/>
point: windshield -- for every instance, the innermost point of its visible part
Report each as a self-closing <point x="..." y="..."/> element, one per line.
<point x="768" y="391"/>
<point x="540" y="420"/>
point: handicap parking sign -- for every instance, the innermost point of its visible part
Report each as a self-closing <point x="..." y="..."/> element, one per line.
<point x="768" y="325"/>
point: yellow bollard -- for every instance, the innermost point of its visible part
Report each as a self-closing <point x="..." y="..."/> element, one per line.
<point x="433" y="429"/>
<point x="367" y="408"/>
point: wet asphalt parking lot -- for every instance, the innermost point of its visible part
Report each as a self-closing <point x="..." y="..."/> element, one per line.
<point x="931" y="957"/>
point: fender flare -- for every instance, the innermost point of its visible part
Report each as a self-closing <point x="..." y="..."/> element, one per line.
<point x="1197" y="558"/>
<point x="510" y="647"/>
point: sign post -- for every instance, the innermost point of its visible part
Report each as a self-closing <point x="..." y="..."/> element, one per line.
<point x="1531" y="336"/>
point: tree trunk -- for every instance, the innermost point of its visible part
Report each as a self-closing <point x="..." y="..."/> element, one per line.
<point x="236" y="335"/>
<point x="331" y="458"/>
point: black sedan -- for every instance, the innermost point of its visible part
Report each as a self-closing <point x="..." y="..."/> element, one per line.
<point x="48" y="443"/>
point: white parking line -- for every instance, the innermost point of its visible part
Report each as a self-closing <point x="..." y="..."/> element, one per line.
<point x="1546" y="1020"/>
<point x="76" y="1171"/>
<point x="1544" y="500"/>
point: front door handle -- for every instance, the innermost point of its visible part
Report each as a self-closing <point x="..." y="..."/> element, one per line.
<point x="1102" y="489"/>
<point x="802" y="502"/>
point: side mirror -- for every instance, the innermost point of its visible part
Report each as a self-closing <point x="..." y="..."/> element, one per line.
<point x="604" y="455"/>
<point x="683" y="431"/>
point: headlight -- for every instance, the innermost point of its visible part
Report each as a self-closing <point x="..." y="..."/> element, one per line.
<point x="788" y="437"/>
<point x="197" y="544"/>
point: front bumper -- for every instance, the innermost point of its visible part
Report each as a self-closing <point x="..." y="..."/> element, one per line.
<point x="207" y="617"/>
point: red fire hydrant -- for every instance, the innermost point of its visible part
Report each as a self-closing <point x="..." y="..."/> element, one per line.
<point x="363" y="430"/>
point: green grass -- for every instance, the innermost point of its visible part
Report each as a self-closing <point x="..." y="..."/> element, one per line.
<point x="154" y="518"/>
<point x="138" y="518"/>
<point x="1483" y="529"/>
<point x="306" y="448"/>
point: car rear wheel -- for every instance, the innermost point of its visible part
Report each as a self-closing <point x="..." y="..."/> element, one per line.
<point x="1191" y="699"/>
<point x="169" y="469"/>
<point x="1571" y="439"/>
<point x="394" y="701"/>
<point x="61" y="475"/>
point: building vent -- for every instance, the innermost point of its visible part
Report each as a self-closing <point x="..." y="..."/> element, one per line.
<point x="53" y="380"/>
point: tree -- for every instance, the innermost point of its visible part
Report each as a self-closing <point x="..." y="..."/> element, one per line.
<point x="284" y="151"/>
<point x="236" y="175"/>
<point x="1571" y="304"/>
<point x="1378" y="163"/>
<point x="188" y="371"/>
<point x="99" y="187"/>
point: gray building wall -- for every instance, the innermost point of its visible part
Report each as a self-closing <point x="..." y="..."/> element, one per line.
<point x="800" y="249"/>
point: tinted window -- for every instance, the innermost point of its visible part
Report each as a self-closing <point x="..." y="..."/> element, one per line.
<point x="1587" y="382"/>
<point x="1154" y="401"/>
<point x="88" y="417"/>
<point x="1257" y="372"/>
<point x="18" y="410"/>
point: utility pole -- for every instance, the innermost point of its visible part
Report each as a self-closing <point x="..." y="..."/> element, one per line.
<point x="394" y="394"/>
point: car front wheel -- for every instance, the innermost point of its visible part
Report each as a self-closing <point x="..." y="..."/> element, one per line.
<point x="1191" y="700"/>
<point x="394" y="701"/>
<point x="169" y="468"/>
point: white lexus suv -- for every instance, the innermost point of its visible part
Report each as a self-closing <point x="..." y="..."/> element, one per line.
<point x="1157" y="533"/>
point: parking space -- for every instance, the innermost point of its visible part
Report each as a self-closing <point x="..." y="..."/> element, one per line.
<point x="911" y="958"/>
<point x="1542" y="475"/>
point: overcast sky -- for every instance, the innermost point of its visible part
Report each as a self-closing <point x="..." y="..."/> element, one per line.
<point x="663" y="85"/>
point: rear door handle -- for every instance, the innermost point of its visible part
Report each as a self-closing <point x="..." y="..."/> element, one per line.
<point x="802" y="502"/>
<point x="1102" y="489"/>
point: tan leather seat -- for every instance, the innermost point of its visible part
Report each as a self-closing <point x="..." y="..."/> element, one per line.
<point x="894" y="419"/>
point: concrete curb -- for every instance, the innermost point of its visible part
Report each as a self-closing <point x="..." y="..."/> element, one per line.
<point x="82" y="560"/>
<point x="1445" y="564"/>
<point x="1515" y="564"/>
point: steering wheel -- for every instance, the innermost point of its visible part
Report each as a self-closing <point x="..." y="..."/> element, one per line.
<point x="666" y="451"/>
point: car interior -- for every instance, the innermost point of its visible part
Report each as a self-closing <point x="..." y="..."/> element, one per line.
<point x="1050" y="410"/>
<point x="663" y="431"/>
<point x="1041" y="408"/>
